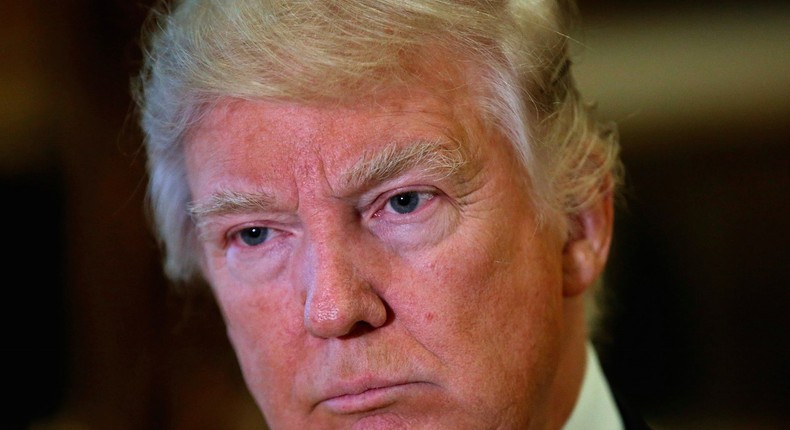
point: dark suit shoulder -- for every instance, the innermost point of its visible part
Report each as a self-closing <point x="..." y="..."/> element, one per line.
<point x="632" y="419"/>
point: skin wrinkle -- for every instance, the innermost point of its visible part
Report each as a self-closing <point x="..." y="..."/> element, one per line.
<point x="439" y="161"/>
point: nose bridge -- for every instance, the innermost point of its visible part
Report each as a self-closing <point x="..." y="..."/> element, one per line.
<point x="331" y="264"/>
<point x="338" y="296"/>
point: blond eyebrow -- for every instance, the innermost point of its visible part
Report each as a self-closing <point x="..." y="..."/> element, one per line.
<point x="438" y="159"/>
<point x="226" y="202"/>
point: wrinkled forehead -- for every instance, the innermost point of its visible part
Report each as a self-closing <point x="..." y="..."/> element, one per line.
<point x="397" y="116"/>
<point x="437" y="104"/>
<point x="437" y="86"/>
<point x="245" y="144"/>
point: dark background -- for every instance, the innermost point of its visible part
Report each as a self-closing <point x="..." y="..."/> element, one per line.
<point x="94" y="338"/>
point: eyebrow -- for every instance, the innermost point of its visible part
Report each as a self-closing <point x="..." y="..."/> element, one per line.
<point x="438" y="159"/>
<point x="226" y="202"/>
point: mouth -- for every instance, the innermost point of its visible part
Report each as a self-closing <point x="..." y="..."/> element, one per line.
<point x="367" y="397"/>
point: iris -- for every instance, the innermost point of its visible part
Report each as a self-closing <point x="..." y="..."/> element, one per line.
<point x="406" y="202"/>
<point x="254" y="236"/>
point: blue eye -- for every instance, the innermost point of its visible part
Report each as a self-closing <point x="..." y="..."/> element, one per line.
<point x="406" y="202"/>
<point x="254" y="236"/>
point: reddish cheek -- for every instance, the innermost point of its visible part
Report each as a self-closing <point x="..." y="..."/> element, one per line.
<point x="462" y="273"/>
<point x="450" y="288"/>
<point x="260" y="321"/>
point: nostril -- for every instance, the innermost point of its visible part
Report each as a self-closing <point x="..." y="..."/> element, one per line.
<point x="328" y="316"/>
<point x="380" y="318"/>
<point x="339" y="300"/>
<point x="359" y="329"/>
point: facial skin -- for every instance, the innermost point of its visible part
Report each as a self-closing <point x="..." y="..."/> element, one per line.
<point x="381" y="266"/>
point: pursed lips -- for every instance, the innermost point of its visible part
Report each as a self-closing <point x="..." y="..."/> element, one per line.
<point x="365" y="395"/>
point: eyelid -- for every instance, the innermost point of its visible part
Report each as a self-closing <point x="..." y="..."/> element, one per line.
<point x="424" y="198"/>
<point x="382" y="200"/>
<point x="235" y="236"/>
<point x="274" y="230"/>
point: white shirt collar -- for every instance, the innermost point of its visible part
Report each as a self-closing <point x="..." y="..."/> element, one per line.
<point x="595" y="408"/>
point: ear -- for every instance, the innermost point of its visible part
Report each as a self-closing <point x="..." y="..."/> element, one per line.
<point x="587" y="248"/>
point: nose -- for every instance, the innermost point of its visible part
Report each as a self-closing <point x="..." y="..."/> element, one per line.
<point x="339" y="300"/>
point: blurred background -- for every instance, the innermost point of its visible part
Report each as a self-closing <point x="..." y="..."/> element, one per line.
<point x="697" y="333"/>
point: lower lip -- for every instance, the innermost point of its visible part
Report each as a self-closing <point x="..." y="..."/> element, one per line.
<point x="369" y="400"/>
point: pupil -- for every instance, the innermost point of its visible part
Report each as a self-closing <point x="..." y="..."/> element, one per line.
<point x="405" y="203"/>
<point x="254" y="236"/>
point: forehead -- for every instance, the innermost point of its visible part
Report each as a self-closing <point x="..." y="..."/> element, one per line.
<point x="318" y="123"/>
<point x="261" y="141"/>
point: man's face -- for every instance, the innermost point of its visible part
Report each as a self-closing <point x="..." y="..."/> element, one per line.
<point x="378" y="266"/>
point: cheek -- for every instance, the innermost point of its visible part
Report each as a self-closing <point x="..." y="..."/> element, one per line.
<point x="264" y="332"/>
<point x="491" y="310"/>
<point x="509" y="272"/>
<point x="476" y="295"/>
<point x="259" y="315"/>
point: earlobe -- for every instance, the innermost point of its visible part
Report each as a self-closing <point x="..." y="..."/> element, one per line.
<point x="587" y="248"/>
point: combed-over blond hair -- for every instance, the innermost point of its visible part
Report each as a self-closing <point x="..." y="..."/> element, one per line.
<point x="198" y="51"/>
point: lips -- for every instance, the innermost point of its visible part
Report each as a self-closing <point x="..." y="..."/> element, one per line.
<point x="367" y="395"/>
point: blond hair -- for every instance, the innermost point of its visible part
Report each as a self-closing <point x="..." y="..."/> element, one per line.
<point x="317" y="50"/>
